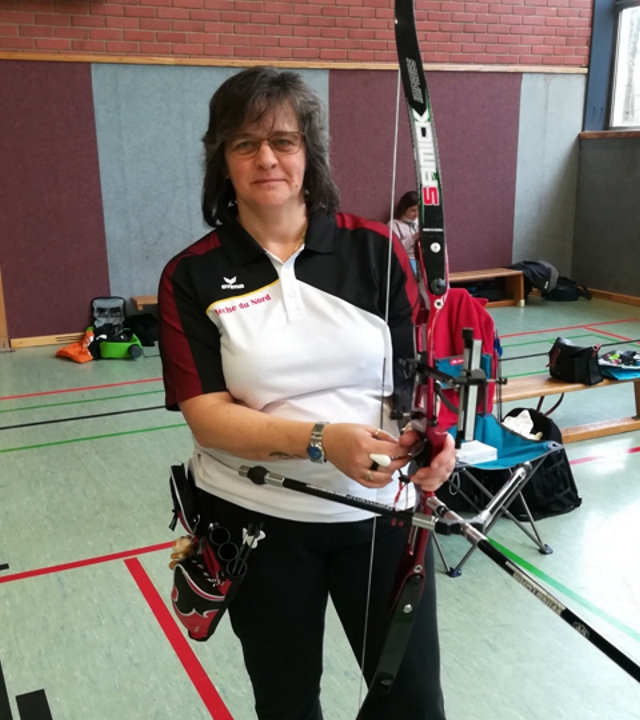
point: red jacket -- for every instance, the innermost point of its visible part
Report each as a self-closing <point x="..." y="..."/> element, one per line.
<point x="461" y="310"/>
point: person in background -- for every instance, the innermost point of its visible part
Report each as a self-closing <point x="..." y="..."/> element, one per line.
<point x="405" y="223"/>
<point x="277" y="350"/>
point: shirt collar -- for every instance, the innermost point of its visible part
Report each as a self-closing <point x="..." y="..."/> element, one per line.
<point x="241" y="248"/>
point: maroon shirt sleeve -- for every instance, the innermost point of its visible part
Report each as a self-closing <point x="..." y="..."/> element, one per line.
<point x="189" y="340"/>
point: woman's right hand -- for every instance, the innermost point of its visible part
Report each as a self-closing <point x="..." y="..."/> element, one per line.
<point x="348" y="447"/>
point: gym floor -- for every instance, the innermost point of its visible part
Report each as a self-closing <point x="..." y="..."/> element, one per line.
<point x="86" y="626"/>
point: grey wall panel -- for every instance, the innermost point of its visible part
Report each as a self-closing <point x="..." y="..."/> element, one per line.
<point x="551" y="108"/>
<point x="607" y="238"/>
<point x="150" y="121"/>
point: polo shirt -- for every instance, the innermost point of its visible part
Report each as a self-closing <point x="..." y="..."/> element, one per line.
<point x="305" y="339"/>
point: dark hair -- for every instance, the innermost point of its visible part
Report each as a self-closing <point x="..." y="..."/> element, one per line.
<point x="409" y="199"/>
<point x="246" y="98"/>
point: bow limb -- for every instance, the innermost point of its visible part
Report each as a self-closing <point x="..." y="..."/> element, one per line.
<point x="433" y="284"/>
<point x="431" y="255"/>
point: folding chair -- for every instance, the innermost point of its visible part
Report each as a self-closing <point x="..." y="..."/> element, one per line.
<point x="476" y="353"/>
<point x="522" y="458"/>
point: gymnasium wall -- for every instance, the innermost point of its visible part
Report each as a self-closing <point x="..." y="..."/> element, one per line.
<point x="551" y="108"/>
<point x="515" y="32"/>
<point x="104" y="105"/>
<point x="52" y="236"/>
<point x="607" y="233"/>
<point x="149" y="123"/>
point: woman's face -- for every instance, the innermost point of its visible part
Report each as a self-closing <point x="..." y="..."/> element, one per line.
<point x="411" y="213"/>
<point x="269" y="180"/>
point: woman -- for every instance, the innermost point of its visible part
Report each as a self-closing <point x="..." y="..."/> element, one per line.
<point x="405" y="223"/>
<point x="273" y="343"/>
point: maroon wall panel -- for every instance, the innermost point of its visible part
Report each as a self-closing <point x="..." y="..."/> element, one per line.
<point x="362" y="106"/>
<point x="52" y="243"/>
<point x="476" y="116"/>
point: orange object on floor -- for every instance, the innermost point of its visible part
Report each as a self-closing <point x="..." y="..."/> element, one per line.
<point x="79" y="351"/>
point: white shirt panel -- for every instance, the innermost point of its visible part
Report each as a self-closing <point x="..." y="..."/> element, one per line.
<point x="279" y="347"/>
<point x="269" y="356"/>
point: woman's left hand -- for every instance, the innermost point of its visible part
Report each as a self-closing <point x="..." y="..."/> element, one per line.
<point x="430" y="478"/>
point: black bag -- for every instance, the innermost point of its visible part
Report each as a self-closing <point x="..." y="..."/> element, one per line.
<point x="491" y="290"/>
<point x="538" y="275"/>
<point x="145" y="326"/>
<point x="552" y="489"/>
<point x="567" y="290"/>
<point x="460" y="494"/>
<point x="574" y="364"/>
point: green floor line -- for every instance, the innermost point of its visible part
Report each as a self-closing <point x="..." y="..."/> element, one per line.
<point x="611" y="341"/>
<point x="92" y="437"/>
<point x="598" y="612"/>
<point x="546" y="341"/>
<point x="527" y="374"/>
<point x="80" y="402"/>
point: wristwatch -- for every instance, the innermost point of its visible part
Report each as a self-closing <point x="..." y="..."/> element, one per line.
<point x="315" y="448"/>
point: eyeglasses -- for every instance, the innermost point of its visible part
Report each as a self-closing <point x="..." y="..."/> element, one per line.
<point x="282" y="143"/>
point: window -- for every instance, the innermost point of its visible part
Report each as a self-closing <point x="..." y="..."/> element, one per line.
<point x="625" y="102"/>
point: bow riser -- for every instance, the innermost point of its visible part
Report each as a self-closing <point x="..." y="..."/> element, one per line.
<point x="425" y="408"/>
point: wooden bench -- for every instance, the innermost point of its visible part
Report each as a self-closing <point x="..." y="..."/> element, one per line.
<point x="513" y="287"/>
<point x="513" y="283"/>
<point x="539" y="386"/>
<point x="144" y="302"/>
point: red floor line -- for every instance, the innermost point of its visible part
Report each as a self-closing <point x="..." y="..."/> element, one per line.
<point x="201" y="681"/>
<point x="569" y="327"/>
<point x="80" y="389"/>
<point x="594" y="458"/>
<point x="610" y="334"/>
<point x="164" y="546"/>
<point x="84" y="563"/>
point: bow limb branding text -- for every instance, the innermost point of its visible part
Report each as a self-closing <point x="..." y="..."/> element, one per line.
<point x="427" y="159"/>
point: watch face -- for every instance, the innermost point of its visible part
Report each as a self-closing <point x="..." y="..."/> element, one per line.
<point x="315" y="453"/>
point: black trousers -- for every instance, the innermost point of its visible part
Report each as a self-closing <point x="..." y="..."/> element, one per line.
<point x="279" y="613"/>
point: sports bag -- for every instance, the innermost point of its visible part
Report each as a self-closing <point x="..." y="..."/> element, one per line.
<point x="208" y="567"/>
<point x="574" y="364"/>
<point x="552" y="489"/>
<point x="460" y="494"/>
<point x="567" y="290"/>
<point x="538" y="275"/>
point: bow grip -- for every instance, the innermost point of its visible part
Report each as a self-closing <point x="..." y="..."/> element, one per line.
<point x="434" y="437"/>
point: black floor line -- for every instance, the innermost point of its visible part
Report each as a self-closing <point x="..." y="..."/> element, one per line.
<point x="5" y="708"/>
<point x="79" y="417"/>
<point x="34" y="706"/>
<point x="543" y="354"/>
<point x="4" y="566"/>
